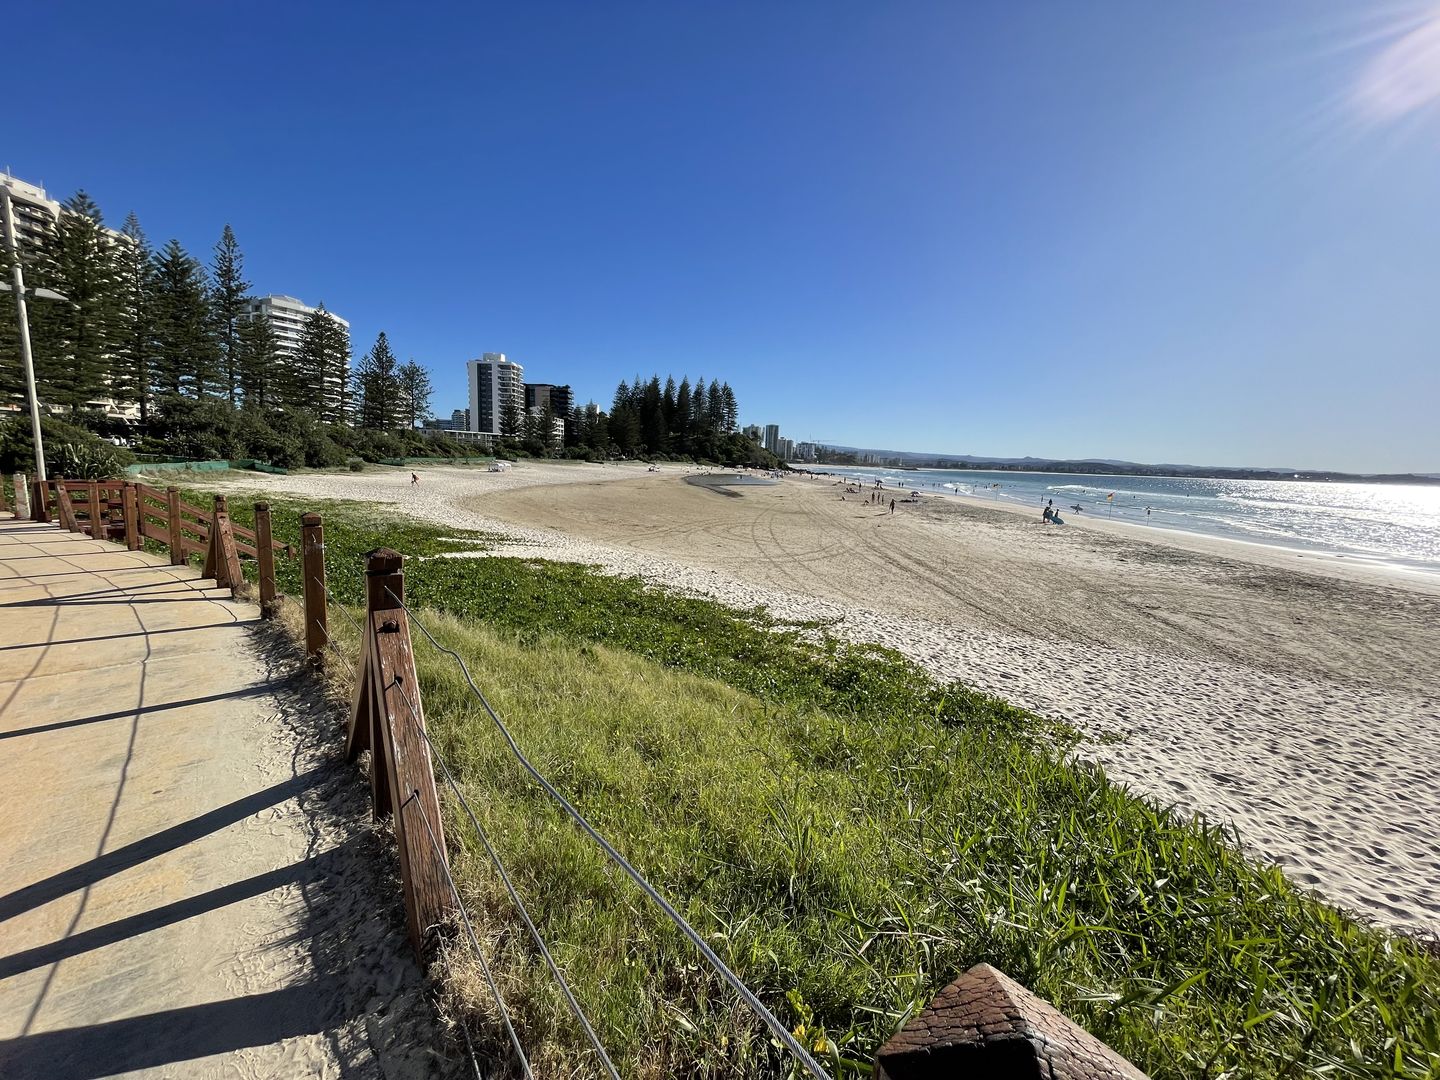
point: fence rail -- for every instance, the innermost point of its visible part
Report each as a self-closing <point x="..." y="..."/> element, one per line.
<point x="131" y="513"/>
<point x="983" y="1022"/>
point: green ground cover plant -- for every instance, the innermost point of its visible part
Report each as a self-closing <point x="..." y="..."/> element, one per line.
<point x="849" y="835"/>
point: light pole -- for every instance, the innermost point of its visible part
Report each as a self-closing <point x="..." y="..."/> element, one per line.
<point x="23" y="318"/>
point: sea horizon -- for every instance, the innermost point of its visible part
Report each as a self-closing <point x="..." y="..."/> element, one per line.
<point x="1382" y="524"/>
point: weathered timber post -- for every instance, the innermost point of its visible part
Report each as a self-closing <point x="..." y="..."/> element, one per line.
<point x="312" y="550"/>
<point x="92" y="508"/>
<point x="985" y="1024"/>
<point x="22" y="497"/>
<point x="173" y="523"/>
<point x="265" y="556"/>
<point x="130" y="505"/>
<point x="39" y="500"/>
<point x="399" y="752"/>
<point x="222" y="560"/>
<point x="64" y="509"/>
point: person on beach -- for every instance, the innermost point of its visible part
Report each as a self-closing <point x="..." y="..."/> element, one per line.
<point x="892" y="506"/>
<point x="414" y="479"/>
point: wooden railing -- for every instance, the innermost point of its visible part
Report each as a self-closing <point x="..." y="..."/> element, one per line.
<point x="386" y="716"/>
<point x="130" y="512"/>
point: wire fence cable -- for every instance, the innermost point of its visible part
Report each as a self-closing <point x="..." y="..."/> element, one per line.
<point x="746" y="994"/>
<point x="470" y="931"/>
<point x="515" y="896"/>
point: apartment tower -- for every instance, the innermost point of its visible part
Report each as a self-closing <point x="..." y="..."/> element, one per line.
<point x="496" y="385"/>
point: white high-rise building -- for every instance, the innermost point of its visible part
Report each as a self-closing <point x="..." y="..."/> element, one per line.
<point x="37" y="221"/>
<point x="495" y="385"/>
<point x="772" y="438"/>
<point x="287" y="317"/>
<point x="36" y="214"/>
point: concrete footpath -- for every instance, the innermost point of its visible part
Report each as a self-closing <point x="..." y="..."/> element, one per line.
<point x="189" y="885"/>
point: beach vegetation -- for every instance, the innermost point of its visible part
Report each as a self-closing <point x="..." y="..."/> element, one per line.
<point x="848" y="833"/>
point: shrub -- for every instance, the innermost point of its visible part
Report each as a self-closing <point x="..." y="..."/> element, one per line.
<point x="70" y="451"/>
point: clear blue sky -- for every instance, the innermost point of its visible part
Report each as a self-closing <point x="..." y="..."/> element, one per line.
<point x="1204" y="232"/>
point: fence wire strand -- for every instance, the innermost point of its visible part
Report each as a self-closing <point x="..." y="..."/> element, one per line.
<point x="470" y="931"/>
<point x="574" y="1003"/>
<point x="746" y="994"/>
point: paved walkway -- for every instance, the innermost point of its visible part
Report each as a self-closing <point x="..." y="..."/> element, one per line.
<point x="188" y="886"/>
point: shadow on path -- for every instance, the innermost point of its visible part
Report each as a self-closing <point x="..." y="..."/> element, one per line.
<point x="112" y="862"/>
<point x="174" y="1035"/>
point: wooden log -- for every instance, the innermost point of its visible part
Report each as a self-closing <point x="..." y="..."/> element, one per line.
<point x="406" y="758"/>
<point x="131" y="507"/>
<point x="265" y="554"/>
<point x="312" y="548"/>
<point x="172" y="514"/>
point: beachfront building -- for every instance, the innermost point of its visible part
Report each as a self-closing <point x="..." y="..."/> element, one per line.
<point x="772" y="438"/>
<point x="287" y="317"/>
<point x="752" y="432"/>
<point x="555" y="437"/>
<point x="36" y="214"/>
<point x="496" y="385"/>
<point x="786" y="450"/>
<point x="560" y="398"/>
<point x="37" y="225"/>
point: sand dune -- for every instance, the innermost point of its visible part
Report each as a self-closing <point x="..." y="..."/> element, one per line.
<point x="1297" y="702"/>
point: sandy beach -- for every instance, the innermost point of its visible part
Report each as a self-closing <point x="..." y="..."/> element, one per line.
<point x="1294" y="697"/>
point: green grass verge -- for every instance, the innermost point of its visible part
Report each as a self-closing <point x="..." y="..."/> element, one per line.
<point x="850" y="835"/>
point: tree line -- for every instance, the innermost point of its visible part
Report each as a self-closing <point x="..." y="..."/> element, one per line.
<point x="650" y="418"/>
<point x="157" y="330"/>
<point x="178" y="340"/>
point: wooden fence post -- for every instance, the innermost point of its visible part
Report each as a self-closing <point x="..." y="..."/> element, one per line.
<point x="64" y="509"/>
<point x="22" y="497"/>
<point x="39" y="500"/>
<point x="265" y="556"/>
<point x="172" y="513"/>
<point x="130" y="503"/>
<point x="400" y="753"/>
<point x="92" y="509"/>
<point x="222" y="560"/>
<point x="312" y="551"/>
<point x="985" y="1024"/>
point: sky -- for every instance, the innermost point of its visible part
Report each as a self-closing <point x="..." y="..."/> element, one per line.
<point x="1202" y="233"/>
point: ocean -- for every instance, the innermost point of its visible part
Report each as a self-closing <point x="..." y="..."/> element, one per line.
<point x="1393" y="524"/>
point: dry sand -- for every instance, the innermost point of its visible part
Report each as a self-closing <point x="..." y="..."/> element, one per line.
<point x="1295" y="698"/>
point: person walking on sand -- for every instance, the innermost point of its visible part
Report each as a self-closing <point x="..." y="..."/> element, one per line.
<point x="892" y="506"/>
<point x="414" y="479"/>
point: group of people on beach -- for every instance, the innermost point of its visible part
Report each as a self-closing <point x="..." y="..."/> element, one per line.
<point x="874" y="498"/>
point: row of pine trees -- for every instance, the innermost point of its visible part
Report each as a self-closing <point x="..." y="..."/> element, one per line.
<point x="160" y="330"/>
<point x="141" y="327"/>
<point x="697" y="421"/>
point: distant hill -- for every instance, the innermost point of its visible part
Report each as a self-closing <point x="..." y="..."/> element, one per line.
<point x="914" y="459"/>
